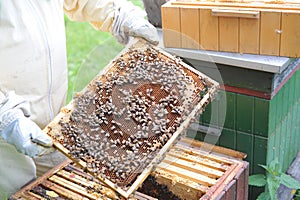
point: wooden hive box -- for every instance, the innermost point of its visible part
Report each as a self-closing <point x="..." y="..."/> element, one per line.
<point x="192" y="170"/>
<point x="233" y="26"/>
<point x="122" y="124"/>
<point x="69" y="181"/>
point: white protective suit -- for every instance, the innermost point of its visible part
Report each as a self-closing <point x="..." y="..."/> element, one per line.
<point x="33" y="64"/>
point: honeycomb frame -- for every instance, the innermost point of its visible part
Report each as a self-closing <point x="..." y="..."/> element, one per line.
<point x="159" y="101"/>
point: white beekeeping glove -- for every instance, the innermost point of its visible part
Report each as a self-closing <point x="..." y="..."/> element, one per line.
<point x="129" y="20"/>
<point x="17" y="129"/>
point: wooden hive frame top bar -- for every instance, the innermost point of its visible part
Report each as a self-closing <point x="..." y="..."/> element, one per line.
<point x="69" y="181"/>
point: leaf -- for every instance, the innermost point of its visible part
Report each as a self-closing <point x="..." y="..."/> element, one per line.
<point x="275" y="167"/>
<point x="273" y="185"/>
<point x="289" y="181"/>
<point x="268" y="169"/>
<point x="263" y="196"/>
<point x="258" y="180"/>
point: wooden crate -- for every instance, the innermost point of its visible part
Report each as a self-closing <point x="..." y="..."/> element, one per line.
<point x="195" y="170"/>
<point x="117" y="129"/>
<point x="191" y="170"/>
<point x="68" y="181"/>
<point x="253" y="28"/>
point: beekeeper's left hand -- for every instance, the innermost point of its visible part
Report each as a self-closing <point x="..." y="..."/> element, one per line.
<point x="17" y="129"/>
<point x="129" y="21"/>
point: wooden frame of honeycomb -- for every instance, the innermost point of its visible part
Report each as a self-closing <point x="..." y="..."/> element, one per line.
<point x="122" y="124"/>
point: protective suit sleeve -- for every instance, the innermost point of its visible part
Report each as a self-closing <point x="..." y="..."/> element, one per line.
<point x="119" y="17"/>
<point x="100" y="13"/>
<point x="17" y="129"/>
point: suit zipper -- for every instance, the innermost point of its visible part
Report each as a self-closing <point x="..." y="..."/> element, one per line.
<point x="49" y="54"/>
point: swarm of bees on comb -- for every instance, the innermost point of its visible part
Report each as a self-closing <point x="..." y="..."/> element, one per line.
<point x="125" y="116"/>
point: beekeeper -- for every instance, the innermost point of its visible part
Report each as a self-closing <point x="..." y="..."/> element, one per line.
<point x="33" y="75"/>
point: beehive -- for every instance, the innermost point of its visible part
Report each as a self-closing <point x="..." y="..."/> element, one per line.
<point x="191" y="170"/>
<point x="254" y="27"/>
<point x="68" y="181"/>
<point x="126" y="119"/>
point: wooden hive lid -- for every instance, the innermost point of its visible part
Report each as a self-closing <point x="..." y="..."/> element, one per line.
<point x="242" y="4"/>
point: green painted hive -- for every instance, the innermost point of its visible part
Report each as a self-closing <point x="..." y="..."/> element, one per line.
<point x="264" y="124"/>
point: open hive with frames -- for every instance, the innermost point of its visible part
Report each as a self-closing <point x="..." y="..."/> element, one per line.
<point x="69" y="181"/>
<point x="191" y="170"/>
<point x="120" y="126"/>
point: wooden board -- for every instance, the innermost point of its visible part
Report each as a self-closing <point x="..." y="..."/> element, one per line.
<point x="270" y="33"/>
<point x="249" y="36"/>
<point x="256" y="28"/>
<point x="121" y="149"/>
<point x="190" y="28"/>
<point x="209" y="30"/>
<point x="171" y="26"/>
<point x="229" y="34"/>
<point x="290" y="34"/>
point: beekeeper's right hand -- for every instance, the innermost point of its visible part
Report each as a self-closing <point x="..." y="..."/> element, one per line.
<point x="17" y="129"/>
<point x="129" y="21"/>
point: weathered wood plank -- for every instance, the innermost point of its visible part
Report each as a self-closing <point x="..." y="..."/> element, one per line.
<point x="193" y="167"/>
<point x="190" y="37"/>
<point x="208" y="163"/>
<point x="249" y="35"/>
<point x="198" y="178"/>
<point x="62" y="190"/>
<point x="290" y="36"/>
<point x="229" y="34"/>
<point x="209" y="30"/>
<point x="70" y="186"/>
<point x="270" y="33"/>
<point x="214" y="148"/>
<point x="171" y="29"/>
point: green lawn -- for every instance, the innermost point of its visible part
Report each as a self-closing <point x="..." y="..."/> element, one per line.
<point x="88" y="51"/>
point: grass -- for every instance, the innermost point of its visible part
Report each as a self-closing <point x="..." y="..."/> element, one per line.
<point x="88" y="51"/>
<point x="81" y="40"/>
